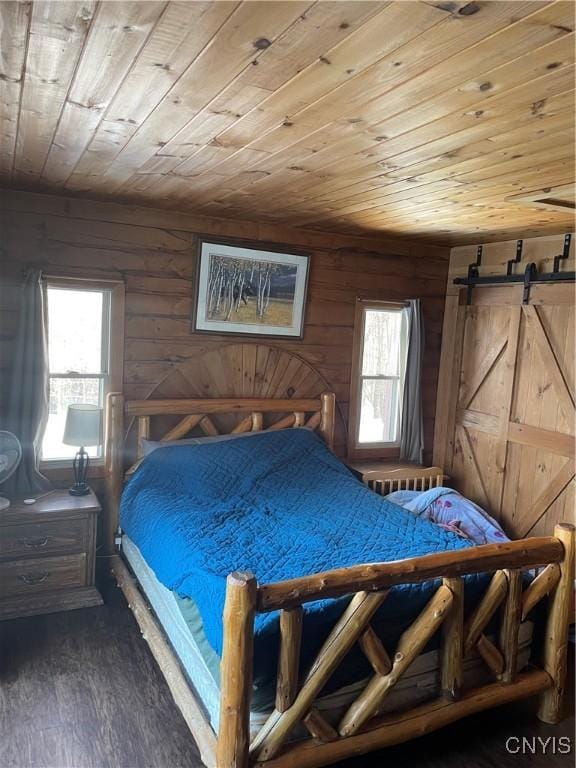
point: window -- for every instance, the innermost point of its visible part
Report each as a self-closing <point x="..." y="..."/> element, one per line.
<point x="380" y="346"/>
<point x="82" y="354"/>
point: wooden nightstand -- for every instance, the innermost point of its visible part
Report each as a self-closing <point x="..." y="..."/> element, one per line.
<point x="47" y="555"/>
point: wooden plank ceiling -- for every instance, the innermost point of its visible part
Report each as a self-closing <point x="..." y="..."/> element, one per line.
<point x="434" y="120"/>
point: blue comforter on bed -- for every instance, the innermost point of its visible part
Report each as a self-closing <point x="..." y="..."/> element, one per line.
<point x="281" y="505"/>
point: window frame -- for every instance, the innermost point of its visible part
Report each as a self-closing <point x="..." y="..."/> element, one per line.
<point x="379" y="450"/>
<point x="112" y="357"/>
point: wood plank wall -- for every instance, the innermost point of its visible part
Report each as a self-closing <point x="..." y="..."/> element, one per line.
<point x="153" y="251"/>
<point x="505" y="413"/>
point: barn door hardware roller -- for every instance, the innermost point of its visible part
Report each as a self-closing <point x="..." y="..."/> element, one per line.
<point x="473" y="273"/>
<point x="564" y="255"/>
<point x="529" y="277"/>
<point x="531" y="273"/>
<point x="516" y="259"/>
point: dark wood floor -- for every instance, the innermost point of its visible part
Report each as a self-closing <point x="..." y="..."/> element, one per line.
<point x="81" y="690"/>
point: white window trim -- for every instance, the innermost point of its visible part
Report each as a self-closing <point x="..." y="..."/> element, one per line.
<point x="381" y="449"/>
<point x="113" y="351"/>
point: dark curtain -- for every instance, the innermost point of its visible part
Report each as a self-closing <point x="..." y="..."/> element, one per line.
<point x="29" y="387"/>
<point x="412" y="433"/>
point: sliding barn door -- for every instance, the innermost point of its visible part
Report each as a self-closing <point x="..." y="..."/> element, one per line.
<point x="508" y="438"/>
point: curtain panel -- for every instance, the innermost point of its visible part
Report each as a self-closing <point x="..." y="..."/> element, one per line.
<point x="412" y="432"/>
<point x="29" y="387"/>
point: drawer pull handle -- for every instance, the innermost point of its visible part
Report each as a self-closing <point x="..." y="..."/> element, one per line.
<point x="35" y="543"/>
<point x="34" y="578"/>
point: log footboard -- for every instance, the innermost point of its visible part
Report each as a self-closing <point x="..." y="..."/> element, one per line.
<point x="361" y="728"/>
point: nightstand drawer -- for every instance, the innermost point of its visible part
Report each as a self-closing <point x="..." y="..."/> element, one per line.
<point x="18" y="577"/>
<point x="43" y="538"/>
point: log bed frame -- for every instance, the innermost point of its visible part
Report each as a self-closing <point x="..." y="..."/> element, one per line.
<point x="361" y="729"/>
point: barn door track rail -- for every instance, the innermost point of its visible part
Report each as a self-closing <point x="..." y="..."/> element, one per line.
<point x="530" y="276"/>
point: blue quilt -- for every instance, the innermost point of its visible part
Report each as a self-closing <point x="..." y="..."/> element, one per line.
<point x="281" y="505"/>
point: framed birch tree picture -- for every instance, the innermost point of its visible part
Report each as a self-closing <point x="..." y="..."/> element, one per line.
<point x="247" y="290"/>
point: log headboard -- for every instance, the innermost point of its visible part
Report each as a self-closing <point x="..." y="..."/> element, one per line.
<point x="250" y="415"/>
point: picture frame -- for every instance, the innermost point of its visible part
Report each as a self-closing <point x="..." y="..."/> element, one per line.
<point x="249" y="290"/>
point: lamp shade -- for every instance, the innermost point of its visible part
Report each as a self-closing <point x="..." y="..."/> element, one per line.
<point x="83" y="425"/>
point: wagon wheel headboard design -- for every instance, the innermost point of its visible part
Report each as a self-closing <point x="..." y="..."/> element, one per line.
<point x="237" y="370"/>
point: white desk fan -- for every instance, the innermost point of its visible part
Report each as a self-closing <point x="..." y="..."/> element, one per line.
<point x="10" y="456"/>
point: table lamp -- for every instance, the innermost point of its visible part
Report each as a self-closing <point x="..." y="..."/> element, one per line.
<point x="83" y="428"/>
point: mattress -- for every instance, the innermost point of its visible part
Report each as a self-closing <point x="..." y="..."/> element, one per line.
<point x="183" y="628"/>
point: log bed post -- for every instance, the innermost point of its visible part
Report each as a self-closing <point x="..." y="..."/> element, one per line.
<point x="236" y="671"/>
<point x="289" y="657"/>
<point x="452" y="649"/>
<point x="556" y="637"/>
<point x="327" y="415"/>
<point x="510" y="625"/>
<point x="143" y="433"/>
<point x="114" y="441"/>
